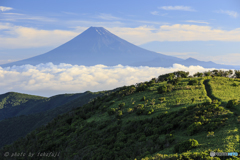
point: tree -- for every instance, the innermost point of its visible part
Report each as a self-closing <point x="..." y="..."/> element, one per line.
<point x="232" y="103"/>
<point x="193" y="82"/>
<point x="193" y="99"/>
<point x="198" y="74"/>
<point x="237" y="73"/>
<point x="162" y="89"/>
<point x="111" y="111"/>
<point x="207" y="73"/>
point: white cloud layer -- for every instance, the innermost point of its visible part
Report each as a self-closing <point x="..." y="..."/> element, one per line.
<point x="2" y="8"/>
<point x="48" y="79"/>
<point x="180" y="8"/>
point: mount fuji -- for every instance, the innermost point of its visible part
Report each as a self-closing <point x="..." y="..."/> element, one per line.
<point x="96" y="45"/>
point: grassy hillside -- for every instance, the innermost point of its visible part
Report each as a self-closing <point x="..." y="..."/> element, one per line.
<point x="17" y="127"/>
<point x="171" y="118"/>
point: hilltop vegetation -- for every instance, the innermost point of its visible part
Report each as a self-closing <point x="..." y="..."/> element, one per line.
<point x="174" y="116"/>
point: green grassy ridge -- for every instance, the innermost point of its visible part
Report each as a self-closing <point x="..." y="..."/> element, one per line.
<point x="16" y="127"/>
<point x="13" y="99"/>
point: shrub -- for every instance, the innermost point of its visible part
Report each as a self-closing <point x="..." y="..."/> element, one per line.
<point x="178" y="101"/>
<point x="193" y="128"/>
<point x="162" y="89"/>
<point x="193" y="82"/>
<point x="143" y="98"/>
<point x="112" y="102"/>
<point x="141" y="87"/>
<point x="150" y="111"/>
<point x="162" y="99"/>
<point x="130" y="110"/>
<point x="186" y="145"/>
<point x="111" y="111"/>
<point x="121" y="105"/>
<point x="169" y="87"/>
<point x="140" y="109"/>
<point x="170" y="138"/>
<point x="193" y="100"/>
<point x="210" y="134"/>
<point x="119" y="114"/>
<point x="232" y="103"/>
<point x="235" y="84"/>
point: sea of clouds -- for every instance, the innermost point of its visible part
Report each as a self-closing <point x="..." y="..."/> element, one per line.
<point x="49" y="79"/>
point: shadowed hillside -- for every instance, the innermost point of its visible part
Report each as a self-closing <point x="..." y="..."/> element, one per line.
<point x="16" y="127"/>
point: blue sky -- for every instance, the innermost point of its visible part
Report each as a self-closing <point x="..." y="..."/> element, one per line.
<point x="206" y="30"/>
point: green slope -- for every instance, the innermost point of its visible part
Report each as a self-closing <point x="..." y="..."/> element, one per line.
<point x="16" y="127"/>
<point x="135" y="123"/>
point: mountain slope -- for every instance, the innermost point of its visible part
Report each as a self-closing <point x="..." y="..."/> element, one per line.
<point x="95" y="46"/>
<point x="149" y="120"/>
<point x="15" y="104"/>
<point x="17" y="127"/>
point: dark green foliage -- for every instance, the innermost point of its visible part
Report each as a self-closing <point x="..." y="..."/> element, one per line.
<point x="174" y="81"/>
<point x="171" y="76"/>
<point x="162" y="89"/>
<point x="194" y="128"/>
<point x="193" y="82"/>
<point x="237" y="73"/>
<point x="161" y="99"/>
<point x="140" y="109"/>
<point x="111" y="111"/>
<point x="186" y="145"/>
<point x="207" y="73"/>
<point x="235" y="84"/>
<point x="193" y="100"/>
<point x="169" y="87"/>
<point x="119" y="114"/>
<point x="16" y="127"/>
<point x="165" y="88"/>
<point x="198" y="74"/>
<point x="170" y="138"/>
<point x="141" y="87"/>
<point x="121" y="105"/>
<point x="115" y="138"/>
<point x="232" y="103"/>
<point x="143" y="98"/>
<point x="178" y="101"/>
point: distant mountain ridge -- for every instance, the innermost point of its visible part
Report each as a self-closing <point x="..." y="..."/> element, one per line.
<point x="97" y="45"/>
<point x="14" y="104"/>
